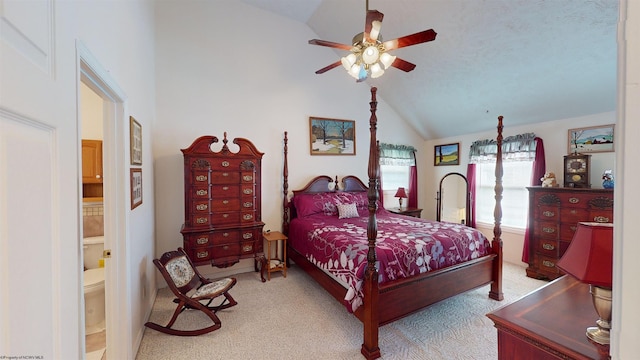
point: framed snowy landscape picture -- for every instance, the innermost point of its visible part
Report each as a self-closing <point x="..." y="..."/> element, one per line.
<point x="332" y="136"/>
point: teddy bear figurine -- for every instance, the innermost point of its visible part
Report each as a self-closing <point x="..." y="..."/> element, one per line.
<point x="549" y="180"/>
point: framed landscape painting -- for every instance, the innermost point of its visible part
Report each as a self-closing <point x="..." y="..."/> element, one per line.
<point x="446" y="154"/>
<point x="592" y="139"/>
<point x="332" y="136"/>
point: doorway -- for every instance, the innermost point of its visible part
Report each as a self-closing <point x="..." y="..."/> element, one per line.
<point x="92" y="75"/>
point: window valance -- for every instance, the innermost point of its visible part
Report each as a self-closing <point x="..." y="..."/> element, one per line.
<point x="391" y="154"/>
<point x="514" y="148"/>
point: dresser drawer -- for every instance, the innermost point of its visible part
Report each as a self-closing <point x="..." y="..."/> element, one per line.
<point x="546" y="229"/>
<point x="547" y="213"/>
<point x="574" y="215"/>
<point x="574" y="200"/>
<point x="225" y="177"/>
<point x="225" y="204"/>
<point x="547" y="247"/>
<point x="601" y="216"/>
<point x="224" y="190"/>
<point x="547" y="266"/>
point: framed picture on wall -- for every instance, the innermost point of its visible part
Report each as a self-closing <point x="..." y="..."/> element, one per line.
<point x="448" y="154"/>
<point x="136" y="187"/>
<point x="592" y="139"/>
<point x="332" y="136"/>
<point x="135" y="141"/>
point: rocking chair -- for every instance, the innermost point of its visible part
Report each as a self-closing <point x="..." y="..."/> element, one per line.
<point x="190" y="287"/>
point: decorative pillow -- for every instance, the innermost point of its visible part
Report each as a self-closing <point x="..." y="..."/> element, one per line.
<point x="309" y="204"/>
<point x="346" y="211"/>
<point x="360" y="199"/>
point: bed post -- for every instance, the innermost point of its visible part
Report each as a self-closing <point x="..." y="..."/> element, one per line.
<point x="371" y="318"/>
<point x="496" y="244"/>
<point x="285" y="189"/>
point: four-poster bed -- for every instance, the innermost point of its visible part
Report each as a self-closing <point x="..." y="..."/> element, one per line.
<point x="402" y="265"/>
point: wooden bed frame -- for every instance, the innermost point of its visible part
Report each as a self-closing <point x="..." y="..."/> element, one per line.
<point x="384" y="303"/>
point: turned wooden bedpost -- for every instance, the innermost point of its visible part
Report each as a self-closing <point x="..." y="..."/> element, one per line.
<point x="371" y="318"/>
<point x="496" y="244"/>
<point x="285" y="189"/>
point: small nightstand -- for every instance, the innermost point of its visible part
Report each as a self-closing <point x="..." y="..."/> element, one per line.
<point x="415" y="212"/>
<point x="276" y="263"/>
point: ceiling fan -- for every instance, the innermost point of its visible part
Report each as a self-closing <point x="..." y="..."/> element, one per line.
<point x="369" y="53"/>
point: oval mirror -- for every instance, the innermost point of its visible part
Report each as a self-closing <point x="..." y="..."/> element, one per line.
<point x="454" y="199"/>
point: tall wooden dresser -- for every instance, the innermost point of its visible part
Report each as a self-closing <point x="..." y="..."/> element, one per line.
<point x="222" y="202"/>
<point x="553" y="216"/>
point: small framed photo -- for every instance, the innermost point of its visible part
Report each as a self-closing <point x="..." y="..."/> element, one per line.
<point x="332" y="136"/>
<point x="135" y="141"/>
<point x="448" y="154"/>
<point x="592" y="139"/>
<point x="136" y="187"/>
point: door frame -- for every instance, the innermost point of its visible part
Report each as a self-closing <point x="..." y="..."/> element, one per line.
<point x="92" y="74"/>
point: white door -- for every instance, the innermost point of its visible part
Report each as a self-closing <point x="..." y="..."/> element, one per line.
<point x="40" y="277"/>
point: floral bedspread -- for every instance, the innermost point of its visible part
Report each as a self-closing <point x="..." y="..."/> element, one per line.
<point x="406" y="246"/>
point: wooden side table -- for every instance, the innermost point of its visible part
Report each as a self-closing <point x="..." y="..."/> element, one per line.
<point x="549" y="323"/>
<point x="415" y="212"/>
<point x="275" y="263"/>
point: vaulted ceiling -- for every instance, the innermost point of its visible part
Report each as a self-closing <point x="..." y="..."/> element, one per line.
<point x="529" y="60"/>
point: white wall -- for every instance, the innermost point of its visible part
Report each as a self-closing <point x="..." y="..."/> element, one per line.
<point x="208" y="84"/>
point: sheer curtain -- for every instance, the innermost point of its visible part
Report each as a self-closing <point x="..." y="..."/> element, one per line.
<point x="402" y="155"/>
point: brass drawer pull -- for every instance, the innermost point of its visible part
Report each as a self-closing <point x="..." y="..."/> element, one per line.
<point x="225" y="174"/>
<point x="247" y="236"/>
<point x="201" y="192"/>
<point x="225" y="202"/>
<point x="225" y="163"/>
<point x="573" y="211"/>
<point x="226" y="247"/>
<point x="549" y="213"/>
<point x="201" y="207"/>
<point x="201" y="220"/>
<point x="202" y="240"/>
<point x="202" y="254"/>
<point x="601" y="219"/>
<point x="548" y="263"/>
<point x="201" y="178"/>
<point x="247" y="216"/>
<point x="248" y="204"/>
<point x="548" y="246"/>
<point x="574" y="200"/>
<point x="247" y="248"/>
<point x="225" y="215"/>
<point x="247" y="178"/>
<point x="225" y="234"/>
<point x="549" y="230"/>
<point x="225" y="188"/>
<point x="247" y="191"/>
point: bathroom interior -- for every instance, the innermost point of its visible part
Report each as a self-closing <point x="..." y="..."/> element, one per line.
<point x="91" y="107"/>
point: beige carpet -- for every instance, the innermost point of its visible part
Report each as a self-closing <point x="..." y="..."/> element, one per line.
<point x="293" y="318"/>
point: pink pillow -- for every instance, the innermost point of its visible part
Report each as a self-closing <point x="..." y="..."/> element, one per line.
<point x="309" y="204"/>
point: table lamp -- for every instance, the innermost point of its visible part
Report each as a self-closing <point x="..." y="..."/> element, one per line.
<point x="400" y="194"/>
<point x="589" y="258"/>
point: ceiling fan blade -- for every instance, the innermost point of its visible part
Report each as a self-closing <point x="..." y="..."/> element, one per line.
<point x="329" y="67"/>
<point x="413" y="39"/>
<point x="372" y="25"/>
<point x="403" y="65"/>
<point x="330" y="44"/>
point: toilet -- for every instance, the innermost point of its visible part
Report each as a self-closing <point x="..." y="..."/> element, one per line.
<point x="94" y="315"/>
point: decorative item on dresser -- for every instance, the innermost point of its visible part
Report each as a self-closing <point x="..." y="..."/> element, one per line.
<point x="554" y="214"/>
<point x="576" y="171"/>
<point x="222" y="208"/>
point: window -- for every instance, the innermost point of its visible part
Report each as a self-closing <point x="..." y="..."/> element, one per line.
<point x="515" y="197"/>
<point x="393" y="177"/>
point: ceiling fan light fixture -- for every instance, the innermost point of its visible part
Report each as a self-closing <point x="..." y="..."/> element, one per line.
<point x="387" y="59"/>
<point x="370" y="54"/>
<point x="348" y="61"/>
<point x="354" y="70"/>
<point x="375" y="29"/>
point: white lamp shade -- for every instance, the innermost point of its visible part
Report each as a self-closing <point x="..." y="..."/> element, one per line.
<point x="376" y="70"/>
<point x="348" y="61"/>
<point x="386" y="59"/>
<point x="370" y="55"/>
<point x="354" y="70"/>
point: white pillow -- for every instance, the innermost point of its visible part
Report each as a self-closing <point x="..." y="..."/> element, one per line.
<point x="346" y="211"/>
